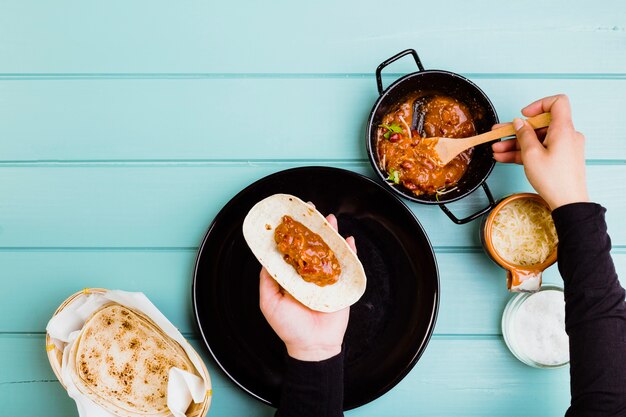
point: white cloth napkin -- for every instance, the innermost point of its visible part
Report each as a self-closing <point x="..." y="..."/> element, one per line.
<point x="64" y="328"/>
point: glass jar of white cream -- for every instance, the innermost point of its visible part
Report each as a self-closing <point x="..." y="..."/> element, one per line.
<point x="533" y="326"/>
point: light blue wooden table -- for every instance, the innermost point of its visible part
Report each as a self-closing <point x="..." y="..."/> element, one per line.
<point x="126" y="125"/>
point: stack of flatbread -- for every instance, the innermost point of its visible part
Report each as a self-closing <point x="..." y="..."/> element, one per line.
<point x="122" y="361"/>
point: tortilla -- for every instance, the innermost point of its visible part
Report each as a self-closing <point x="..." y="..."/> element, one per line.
<point x="258" y="230"/>
<point x="121" y="361"/>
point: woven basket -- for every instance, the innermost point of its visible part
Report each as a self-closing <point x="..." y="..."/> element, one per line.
<point x="55" y="356"/>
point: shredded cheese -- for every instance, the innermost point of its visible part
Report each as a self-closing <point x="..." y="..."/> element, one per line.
<point x="523" y="232"/>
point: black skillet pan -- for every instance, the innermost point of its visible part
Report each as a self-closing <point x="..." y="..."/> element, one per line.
<point x="436" y="82"/>
<point x="389" y="326"/>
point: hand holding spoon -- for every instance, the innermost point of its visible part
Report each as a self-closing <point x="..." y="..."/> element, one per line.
<point x="444" y="150"/>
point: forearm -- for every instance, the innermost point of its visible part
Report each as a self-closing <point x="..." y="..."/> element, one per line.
<point x="312" y="389"/>
<point x="595" y="312"/>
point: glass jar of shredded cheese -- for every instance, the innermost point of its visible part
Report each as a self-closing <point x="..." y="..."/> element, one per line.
<point x="519" y="235"/>
<point x="533" y="326"/>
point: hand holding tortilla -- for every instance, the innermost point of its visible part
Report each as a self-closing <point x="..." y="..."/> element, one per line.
<point x="304" y="258"/>
<point x="308" y="335"/>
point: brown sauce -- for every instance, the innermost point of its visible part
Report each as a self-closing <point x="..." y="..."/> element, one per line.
<point x="413" y="166"/>
<point x="307" y="252"/>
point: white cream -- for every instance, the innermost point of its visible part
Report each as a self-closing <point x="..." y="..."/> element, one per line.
<point x="539" y="328"/>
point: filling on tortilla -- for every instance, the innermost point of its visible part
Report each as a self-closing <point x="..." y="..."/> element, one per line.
<point x="307" y="252"/>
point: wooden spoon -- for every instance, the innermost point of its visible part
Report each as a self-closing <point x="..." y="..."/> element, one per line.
<point x="444" y="150"/>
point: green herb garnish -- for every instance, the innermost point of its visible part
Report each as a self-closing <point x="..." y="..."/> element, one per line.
<point x="392" y="128"/>
<point x="394" y="176"/>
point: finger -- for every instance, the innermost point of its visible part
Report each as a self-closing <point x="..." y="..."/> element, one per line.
<point x="557" y="105"/>
<point x="527" y="139"/>
<point x="540" y="106"/>
<point x="333" y="221"/>
<point x="268" y="287"/>
<point x="511" y="157"/>
<point x="505" y="146"/>
<point x="351" y="242"/>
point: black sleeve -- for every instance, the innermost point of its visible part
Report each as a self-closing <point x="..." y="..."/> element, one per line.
<point x="312" y="389"/>
<point x="595" y="312"/>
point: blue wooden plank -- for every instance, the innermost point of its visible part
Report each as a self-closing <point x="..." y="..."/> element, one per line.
<point x="171" y="205"/>
<point x="457" y="376"/>
<point x="473" y="377"/>
<point x="325" y="36"/>
<point x="28" y="386"/>
<point x="468" y="280"/>
<point x="41" y="280"/>
<point x="201" y="119"/>
<point x="473" y="288"/>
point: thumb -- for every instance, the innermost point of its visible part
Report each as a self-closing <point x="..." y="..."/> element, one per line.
<point x="269" y="289"/>
<point x="527" y="138"/>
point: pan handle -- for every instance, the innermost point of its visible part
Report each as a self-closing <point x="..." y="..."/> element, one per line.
<point x="479" y="213"/>
<point x="379" y="80"/>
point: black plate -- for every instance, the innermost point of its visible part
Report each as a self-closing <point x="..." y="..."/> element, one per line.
<point x="389" y="327"/>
